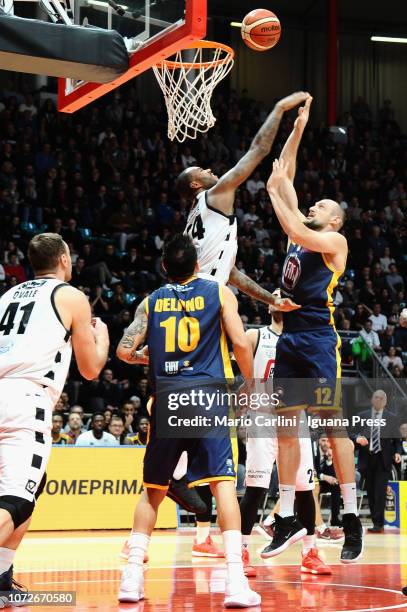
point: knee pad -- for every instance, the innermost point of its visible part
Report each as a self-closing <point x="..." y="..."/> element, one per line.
<point x="19" y="508"/>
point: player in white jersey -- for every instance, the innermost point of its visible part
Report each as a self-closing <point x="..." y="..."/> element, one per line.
<point x="40" y="321"/>
<point x="211" y="223"/>
<point x="262" y="452"/>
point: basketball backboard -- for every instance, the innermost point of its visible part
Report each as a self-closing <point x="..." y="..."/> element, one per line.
<point x="153" y="30"/>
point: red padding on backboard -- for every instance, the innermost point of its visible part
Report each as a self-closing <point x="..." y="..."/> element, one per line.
<point x="194" y="28"/>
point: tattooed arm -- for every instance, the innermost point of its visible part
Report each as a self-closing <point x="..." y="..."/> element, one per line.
<point x="222" y="195"/>
<point x="133" y="337"/>
<point x="250" y="287"/>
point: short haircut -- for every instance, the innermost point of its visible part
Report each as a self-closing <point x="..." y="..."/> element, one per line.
<point x="96" y="414"/>
<point x="179" y="257"/>
<point x="44" y="251"/>
<point x="183" y="185"/>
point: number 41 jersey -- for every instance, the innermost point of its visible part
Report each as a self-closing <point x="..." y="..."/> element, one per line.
<point x="34" y="345"/>
<point x="214" y="235"/>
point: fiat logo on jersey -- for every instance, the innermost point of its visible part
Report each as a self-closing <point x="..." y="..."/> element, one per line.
<point x="291" y="271"/>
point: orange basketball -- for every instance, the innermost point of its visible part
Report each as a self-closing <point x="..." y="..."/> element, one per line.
<point x="261" y="29"/>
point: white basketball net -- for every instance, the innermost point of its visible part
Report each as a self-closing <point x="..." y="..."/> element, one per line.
<point x="187" y="82"/>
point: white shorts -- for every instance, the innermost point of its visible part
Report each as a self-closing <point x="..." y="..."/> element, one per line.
<point x="25" y="436"/>
<point x="261" y="453"/>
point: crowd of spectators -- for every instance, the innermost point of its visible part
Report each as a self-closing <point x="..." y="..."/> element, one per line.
<point x="104" y="179"/>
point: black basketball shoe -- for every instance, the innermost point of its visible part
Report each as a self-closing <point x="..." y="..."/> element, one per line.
<point x="352" y="549"/>
<point x="287" y="531"/>
<point x="187" y="498"/>
<point x="8" y="586"/>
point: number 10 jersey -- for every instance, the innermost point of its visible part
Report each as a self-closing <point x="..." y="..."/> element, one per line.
<point x="34" y="344"/>
<point x="214" y="235"/>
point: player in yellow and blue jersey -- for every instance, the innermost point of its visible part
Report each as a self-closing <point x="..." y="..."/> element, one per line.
<point x="309" y="345"/>
<point x="185" y="324"/>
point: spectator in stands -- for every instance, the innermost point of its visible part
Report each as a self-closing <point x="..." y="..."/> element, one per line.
<point x="56" y="431"/>
<point x="97" y="436"/>
<point x="394" y="280"/>
<point x="105" y="391"/>
<point x="370" y="337"/>
<point x="392" y="360"/>
<point x="379" y="321"/>
<point x="140" y="439"/>
<point x="116" y="427"/>
<point x="74" y="428"/>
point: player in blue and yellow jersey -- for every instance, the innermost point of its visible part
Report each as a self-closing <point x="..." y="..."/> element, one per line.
<point x="185" y="324"/>
<point x="309" y="345"/>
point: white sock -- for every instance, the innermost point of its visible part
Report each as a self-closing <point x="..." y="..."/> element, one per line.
<point x="269" y="520"/>
<point x="138" y="545"/>
<point x="6" y="559"/>
<point x="245" y="541"/>
<point x="287" y="497"/>
<point x="321" y="528"/>
<point x="232" y="542"/>
<point x="308" y="542"/>
<point x="350" y="504"/>
<point x="202" y="532"/>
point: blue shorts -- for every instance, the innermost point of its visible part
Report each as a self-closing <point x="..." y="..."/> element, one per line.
<point x="209" y="460"/>
<point x="308" y="369"/>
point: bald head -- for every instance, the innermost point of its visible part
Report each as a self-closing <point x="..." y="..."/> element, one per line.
<point x="193" y="180"/>
<point x="325" y="214"/>
<point x="379" y="399"/>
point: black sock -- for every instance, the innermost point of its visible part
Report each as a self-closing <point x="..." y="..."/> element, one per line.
<point x="305" y="504"/>
<point x="249" y="505"/>
<point x="205" y="494"/>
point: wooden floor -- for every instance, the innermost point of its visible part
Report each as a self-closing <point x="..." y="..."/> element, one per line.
<point x="88" y="563"/>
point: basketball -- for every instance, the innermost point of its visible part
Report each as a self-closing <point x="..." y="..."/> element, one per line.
<point x="261" y="30"/>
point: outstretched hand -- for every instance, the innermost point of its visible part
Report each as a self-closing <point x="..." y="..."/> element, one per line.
<point x="293" y="100"/>
<point x="280" y="172"/>
<point x="285" y="305"/>
<point x="303" y="113"/>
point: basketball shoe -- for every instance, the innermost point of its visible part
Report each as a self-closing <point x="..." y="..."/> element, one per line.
<point x="132" y="584"/>
<point x="207" y="549"/>
<point x="240" y="596"/>
<point x="10" y="587"/>
<point x="287" y="531"/>
<point x="313" y="564"/>
<point x="352" y="549"/>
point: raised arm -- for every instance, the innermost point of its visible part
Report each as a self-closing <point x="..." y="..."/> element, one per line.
<point x="133" y="337"/>
<point x="222" y="195"/>
<point x="321" y="242"/>
<point x="290" y="150"/>
<point x="234" y="329"/>
<point x="248" y="286"/>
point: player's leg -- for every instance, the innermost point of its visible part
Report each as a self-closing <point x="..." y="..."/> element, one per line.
<point x="326" y="363"/>
<point x="260" y="458"/>
<point x="203" y="545"/>
<point x="160" y="459"/>
<point x="215" y="466"/>
<point x="311" y="562"/>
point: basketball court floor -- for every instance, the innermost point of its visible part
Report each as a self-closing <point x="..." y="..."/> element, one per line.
<point x="88" y="562"/>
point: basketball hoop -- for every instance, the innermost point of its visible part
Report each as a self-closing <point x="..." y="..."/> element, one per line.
<point x="188" y="81"/>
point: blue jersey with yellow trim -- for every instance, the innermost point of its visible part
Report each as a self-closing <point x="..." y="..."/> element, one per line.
<point x="185" y="335"/>
<point x="309" y="281"/>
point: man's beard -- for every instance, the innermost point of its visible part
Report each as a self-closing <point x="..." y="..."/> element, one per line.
<point x="313" y="224"/>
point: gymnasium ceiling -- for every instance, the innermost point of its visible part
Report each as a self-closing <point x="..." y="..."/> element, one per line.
<point x="358" y="14"/>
